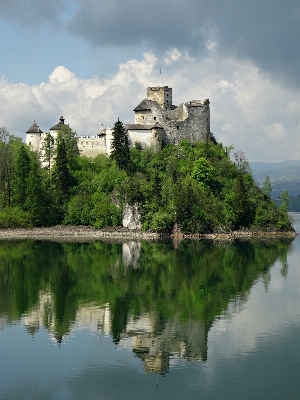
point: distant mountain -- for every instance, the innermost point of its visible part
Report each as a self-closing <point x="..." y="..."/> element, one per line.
<point x="262" y="166"/>
<point x="284" y="175"/>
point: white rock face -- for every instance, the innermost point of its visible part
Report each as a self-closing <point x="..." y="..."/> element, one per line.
<point x="131" y="217"/>
<point x="131" y="253"/>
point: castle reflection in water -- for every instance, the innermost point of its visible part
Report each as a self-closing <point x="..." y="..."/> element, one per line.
<point x="153" y="343"/>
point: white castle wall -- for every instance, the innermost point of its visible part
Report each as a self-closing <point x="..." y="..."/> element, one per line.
<point x="34" y="140"/>
<point x="92" y="146"/>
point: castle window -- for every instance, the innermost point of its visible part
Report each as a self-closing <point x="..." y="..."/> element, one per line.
<point x="167" y="101"/>
<point x="154" y="118"/>
<point x="178" y="127"/>
<point x="167" y="95"/>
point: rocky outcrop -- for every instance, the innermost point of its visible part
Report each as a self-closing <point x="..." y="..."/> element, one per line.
<point x="131" y="217"/>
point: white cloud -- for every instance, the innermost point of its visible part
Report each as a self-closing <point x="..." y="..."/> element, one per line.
<point x="61" y="75"/>
<point x="172" y="56"/>
<point x="275" y="131"/>
<point x="210" y="44"/>
<point x="248" y="109"/>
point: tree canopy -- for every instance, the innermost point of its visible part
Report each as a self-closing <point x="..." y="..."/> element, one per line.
<point x="201" y="187"/>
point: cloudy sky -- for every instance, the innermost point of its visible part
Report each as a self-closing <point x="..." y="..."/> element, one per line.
<point x="92" y="60"/>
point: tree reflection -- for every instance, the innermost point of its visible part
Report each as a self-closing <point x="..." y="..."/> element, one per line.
<point x="166" y="298"/>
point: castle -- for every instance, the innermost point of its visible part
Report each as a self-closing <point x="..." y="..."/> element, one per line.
<point x="157" y="121"/>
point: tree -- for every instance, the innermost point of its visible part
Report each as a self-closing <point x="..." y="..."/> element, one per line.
<point x="203" y="172"/>
<point x="267" y="187"/>
<point x="48" y="150"/>
<point x="241" y="162"/>
<point x="120" y="147"/>
<point x="9" y="145"/>
<point x="285" y="201"/>
<point x="61" y="174"/>
<point x="36" y="199"/>
<point x="22" y="173"/>
<point x="71" y="144"/>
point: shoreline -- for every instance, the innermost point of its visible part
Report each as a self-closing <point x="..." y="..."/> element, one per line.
<point x="86" y="233"/>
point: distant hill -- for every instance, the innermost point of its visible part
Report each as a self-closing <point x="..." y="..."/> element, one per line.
<point x="284" y="175"/>
<point x="263" y="166"/>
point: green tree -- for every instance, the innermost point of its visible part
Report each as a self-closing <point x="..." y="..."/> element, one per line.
<point x="203" y="172"/>
<point x="22" y="173"/>
<point x="48" y="150"/>
<point x="9" y="146"/>
<point x="61" y="173"/>
<point x="285" y="201"/>
<point x="35" y="199"/>
<point x="267" y="187"/>
<point x="71" y="144"/>
<point x="120" y="147"/>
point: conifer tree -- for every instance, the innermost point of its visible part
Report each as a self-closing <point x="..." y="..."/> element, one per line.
<point x="35" y="196"/>
<point x="61" y="174"/>
<point x="48" y="149"/>
<point x="9" y="147"/>
<point x="267" y="187"/>
<point x="120" y="147"/>
<point x="22" y="173"/>
<point x="71" y="144"/>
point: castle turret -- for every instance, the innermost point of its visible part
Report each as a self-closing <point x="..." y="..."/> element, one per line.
<point x="162" y="95"/>
<point x="54" y="130"/>
<point x="33" y="136"/>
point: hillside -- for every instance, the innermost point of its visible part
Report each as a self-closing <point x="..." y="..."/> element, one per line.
<point x="193" y="188"/>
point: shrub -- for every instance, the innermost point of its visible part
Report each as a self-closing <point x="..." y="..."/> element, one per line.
<point x="14" y="218"/>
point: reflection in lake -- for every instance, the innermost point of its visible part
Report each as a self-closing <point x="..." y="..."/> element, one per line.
<point x="136" y="320"/>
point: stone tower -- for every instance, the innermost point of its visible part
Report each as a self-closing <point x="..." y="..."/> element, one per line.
<point x="189" y="120"/>
<point x="162" y="96"/>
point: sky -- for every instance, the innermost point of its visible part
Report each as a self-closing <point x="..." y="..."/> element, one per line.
<point x="92" y="61"/>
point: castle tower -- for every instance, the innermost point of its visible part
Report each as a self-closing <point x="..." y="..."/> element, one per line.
<point x="33" y="137"/>
<point x="54" y="130"/>
<point x="162" y="95"/>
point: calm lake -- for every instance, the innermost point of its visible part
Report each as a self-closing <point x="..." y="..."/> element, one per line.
<point x="131" y="320"/>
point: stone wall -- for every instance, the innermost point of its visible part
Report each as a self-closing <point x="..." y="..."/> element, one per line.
<point x="146" y="137"/>
<point x="92" y="146"/>
<point x="189" y="120"/>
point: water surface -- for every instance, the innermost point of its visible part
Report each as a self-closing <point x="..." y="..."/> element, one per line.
<point x="150" y="320"/>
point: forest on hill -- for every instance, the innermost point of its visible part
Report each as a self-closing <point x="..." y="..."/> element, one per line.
<point x="202" y="187"/>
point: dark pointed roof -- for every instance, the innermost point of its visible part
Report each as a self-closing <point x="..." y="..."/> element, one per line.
<point x="34" y="129"/>
<point x="58" y="125"/>
<point x="146" y="105"/>
<point x="133" y="127"/>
